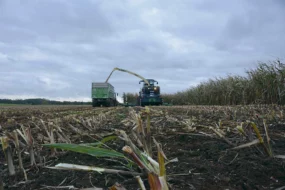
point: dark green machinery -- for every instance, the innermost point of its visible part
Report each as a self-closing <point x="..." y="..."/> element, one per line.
<point x="149" y="94"/>
<point x="103" y="94"/>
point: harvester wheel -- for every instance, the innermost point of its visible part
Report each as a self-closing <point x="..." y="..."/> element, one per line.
<point x="112" y="103"/>
<point x="109" y="103"/>
<point x="93" y="103"/>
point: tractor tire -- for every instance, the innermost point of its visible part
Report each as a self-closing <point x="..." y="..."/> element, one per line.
<point x="94" y="103"/>
<point x="108" y="103"/>
<point x="112" y="103"/>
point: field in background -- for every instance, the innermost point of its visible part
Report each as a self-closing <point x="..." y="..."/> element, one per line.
<point x="200" y="139"/>
<point x="9" y="105"/>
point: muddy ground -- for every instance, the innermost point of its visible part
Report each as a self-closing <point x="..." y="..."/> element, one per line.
<point x="205" y="160"/>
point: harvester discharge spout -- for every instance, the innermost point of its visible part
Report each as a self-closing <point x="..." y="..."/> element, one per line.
<point x="126" y="71"/>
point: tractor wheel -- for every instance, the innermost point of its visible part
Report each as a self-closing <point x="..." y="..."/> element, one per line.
<point x="109" y="103"/>
<point x="94" y="103"/>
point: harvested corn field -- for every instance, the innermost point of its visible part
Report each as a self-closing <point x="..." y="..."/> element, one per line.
<point x="189" y="147"/>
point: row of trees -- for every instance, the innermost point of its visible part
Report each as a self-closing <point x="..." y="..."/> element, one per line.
<point x="39" y="101"/>
<point x="263" y="85"/>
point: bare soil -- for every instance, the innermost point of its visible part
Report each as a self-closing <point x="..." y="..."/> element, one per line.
<point x="205" y="161"/>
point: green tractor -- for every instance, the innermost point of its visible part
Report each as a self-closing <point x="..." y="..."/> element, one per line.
<point x="149" y="94"/>
<point x="103" y="94"/>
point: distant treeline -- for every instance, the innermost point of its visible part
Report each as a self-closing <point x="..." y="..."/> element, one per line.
<point x="39" y="101"/>
<point x="263" y="85"/>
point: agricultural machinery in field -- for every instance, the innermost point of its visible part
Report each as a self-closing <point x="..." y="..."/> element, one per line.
<point x="103" y="93"/>
<point x="149" y="93"/>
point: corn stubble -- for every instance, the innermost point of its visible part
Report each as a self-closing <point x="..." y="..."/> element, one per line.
<point x="27" y="137"/>
<point x="141" y="149"/>
<point x="140" y="153"/>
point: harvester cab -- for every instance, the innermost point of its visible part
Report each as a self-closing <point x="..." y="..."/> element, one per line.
<point x="149" y="93"/>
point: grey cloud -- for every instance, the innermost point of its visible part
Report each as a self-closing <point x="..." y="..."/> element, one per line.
<point x="256" y="29"/>
<point x="53" y="20"/>
<point x="56" y="48"/>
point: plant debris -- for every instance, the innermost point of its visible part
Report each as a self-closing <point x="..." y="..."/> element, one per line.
<point x="202" y="147"/>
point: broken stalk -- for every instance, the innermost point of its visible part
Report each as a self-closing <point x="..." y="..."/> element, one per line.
<point x="260" y="138"/>
<point x="17" y="145"/>
<point x="8" y="154"/>
<point x="26" y="134"/>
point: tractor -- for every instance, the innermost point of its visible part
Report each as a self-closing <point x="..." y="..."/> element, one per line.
<point x="149" y="93"/>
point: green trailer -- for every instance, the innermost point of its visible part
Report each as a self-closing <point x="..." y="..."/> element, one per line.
<point x="103" y="94"/>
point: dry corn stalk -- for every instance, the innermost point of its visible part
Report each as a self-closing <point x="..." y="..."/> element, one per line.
<point x="139" y="179"/>
<point x="49" y="131"/>
<point x="62" y="135"/>
<point x="117" y="186"/>
<point x="148" y="132"/>
<point x="154" y="182"/>
<point x="8" y="154"/>
<point x="26" y="134"/>
<point x="17" y="145"/>
<point x="267" y="137"/>
<point x="260" y="138"/>
<point x="240" y="129"/>
<point x="135" y="157"/>
<point x="221" y="136"/>
<point x="162" y="171"/>
<point x="254" y="142"/>
<point x="65" y="166"/>
<point x="280" y="156"/>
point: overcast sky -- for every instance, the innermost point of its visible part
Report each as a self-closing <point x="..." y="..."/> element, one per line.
<point x="55" y="48"/>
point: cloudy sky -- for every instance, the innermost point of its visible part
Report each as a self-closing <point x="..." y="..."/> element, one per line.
<point x="55" y="48"/>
